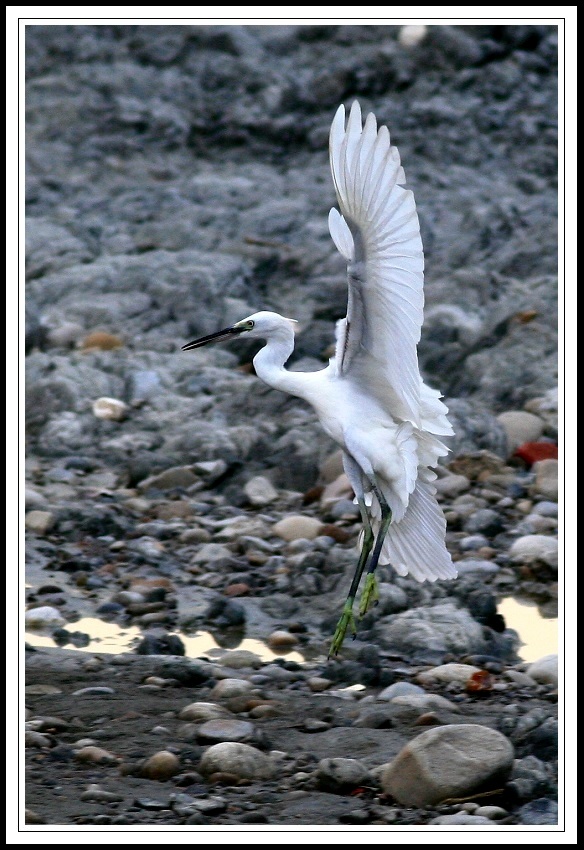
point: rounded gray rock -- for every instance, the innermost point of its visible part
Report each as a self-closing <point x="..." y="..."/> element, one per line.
<point x="341" y="773"/>
<point x="238" y="759"/>
<point x="448" y="761"/>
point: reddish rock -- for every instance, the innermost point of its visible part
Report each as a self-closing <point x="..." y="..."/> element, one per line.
<point x="336" y="532"/>
<point x="102" y="341"/>
<point x="237" y="589"/>
<point x="532" y="452"/>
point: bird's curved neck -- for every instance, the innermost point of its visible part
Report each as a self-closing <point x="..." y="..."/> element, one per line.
<point x="269" y="363"/>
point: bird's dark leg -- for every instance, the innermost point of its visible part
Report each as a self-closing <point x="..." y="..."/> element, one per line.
<point x="347" y="619"/>
<point x="370" y="594"/>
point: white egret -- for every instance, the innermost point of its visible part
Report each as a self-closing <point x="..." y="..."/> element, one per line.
<point x="371" y="399"/>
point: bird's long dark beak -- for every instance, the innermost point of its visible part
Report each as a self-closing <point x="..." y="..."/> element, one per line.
<point x="227" y="333"/>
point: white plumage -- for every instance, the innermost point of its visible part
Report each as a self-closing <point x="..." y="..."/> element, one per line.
<point x="371" y="399"/>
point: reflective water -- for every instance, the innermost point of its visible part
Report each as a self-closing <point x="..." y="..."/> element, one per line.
<point x="114" y="639"/>
<point x="538" y="634"/>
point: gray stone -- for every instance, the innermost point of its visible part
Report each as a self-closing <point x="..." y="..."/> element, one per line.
<point x="201" y="712"/>
<point x="461" y="819"/>
<point x="535" y="547"/>
<point x="260" y="491"/>
<point x="176" y="476"/>
<point x="544" y="670"/>
<point x="546" y="479"/>
<point x="539" y="812"/>
<point x="39" y="521"/>
<point x="452" y="672"/>
<point x="339" y="774"/>
<point x="440" y="629"/>
<point x="408" y="707"/>
<point x="238" y="759"/>
<point x="225" y="729"/>
<point x="399" y="689"/>
<point x="43" y="617"/>
<point x="296" y="527"/>
<point x="226" y="688"/>
<point x="520" y="427"/>
<point x="452" y="485"/>
<point x="486" y="520"/>
<point x="449" y="761"/>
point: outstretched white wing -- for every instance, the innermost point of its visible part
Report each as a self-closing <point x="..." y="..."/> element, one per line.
<point x="378" y="233"/>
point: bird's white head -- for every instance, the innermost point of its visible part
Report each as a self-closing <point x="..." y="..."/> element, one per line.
<point x="262" y="325"/>
<point x="265" y="324"/>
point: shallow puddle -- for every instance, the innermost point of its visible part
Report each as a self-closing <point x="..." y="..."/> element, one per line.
<point x="114" y="639"/>
<point x="539" y="635"/>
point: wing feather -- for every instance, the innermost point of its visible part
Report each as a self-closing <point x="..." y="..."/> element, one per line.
<point x="385" y="260"/>
<point x="415" y="544"/>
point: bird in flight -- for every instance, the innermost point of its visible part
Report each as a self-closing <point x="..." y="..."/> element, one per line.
<point x="371" y="399"/>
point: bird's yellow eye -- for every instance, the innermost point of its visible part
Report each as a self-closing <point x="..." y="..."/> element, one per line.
<point x="249" y="325"/>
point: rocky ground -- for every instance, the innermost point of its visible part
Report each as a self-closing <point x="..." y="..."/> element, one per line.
<point x="177" y="180"/>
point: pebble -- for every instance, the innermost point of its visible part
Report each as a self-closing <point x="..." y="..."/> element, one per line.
<point x="338" y="490"/>
<point x="545" y="508"/>
<point x="521" y="679"/>
<point x="520" y="427"/>
<point x="32" y="817"/>
<point x="43" y="617"/>
<point x="260" y="491"/>
<point x="411" y="35"/>
<point x="332" y="467"/>
<point x="111" y="409"/>
<point x="412" y="706"/>
<point x="96" y="794"/>
<point x="473" y="542"/>
<point x="296" y="527"/>
<point x="461" y="819"/>
<point x="452" y="672"/>
<point x="162" y="766"/>
<point x="281" y="639"/>
<point x="94" y="690"/>
<point x="452" y="485"/>
<point x="399" y="689"/>
<point x="535" y="547"/>
<point x="210" y="552"/>
<point x="341" y="774"/>
<point x="169" y="479"/>
<point x="539" y="812"/>
<point x="240" y="658"/>
<point x="486" y="520"/>
<point x="240" y="760"/>
<point x="39" y="522"/>
<point x="33" y="498"/>
<point x="215" y="731"/>
<point x="536" y="524"/>
<point x="42" y="689"/>
<point x="226" y="688"/>
<point x="448" y="761"/>
<point x="475" y="565"/>
<point x="546" y="479"/>
<point x="95" y="755"/>
<point x="491" y="812"/>
<point x="37" y="739"/>
<point x="102" y="341"/>
<point x="318" y="684"/>
<point x="544" y="670"/>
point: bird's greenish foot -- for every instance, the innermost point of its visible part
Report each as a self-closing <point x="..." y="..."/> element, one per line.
<point x="370" y="594"/>
<point x="347" y="621"/>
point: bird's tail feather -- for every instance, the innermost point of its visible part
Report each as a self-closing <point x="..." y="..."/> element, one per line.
<point x="415" y="544"/>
